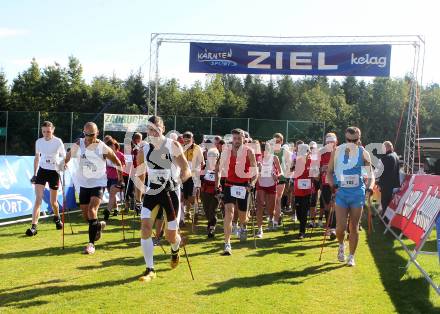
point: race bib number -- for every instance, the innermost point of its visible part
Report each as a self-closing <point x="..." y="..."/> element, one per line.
<point x="350" y="181"/>
<point x="49" y="160"/>
<point x="159" y="176"/>
<point x="238" y="192"/>
<point x="210" y="176"/>
<point x="266" y="172"/>
<point x="304" y="184"/>
<point x="89" y="169"/>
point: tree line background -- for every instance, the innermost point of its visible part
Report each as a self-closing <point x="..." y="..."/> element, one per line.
<point x="375" y="106"/>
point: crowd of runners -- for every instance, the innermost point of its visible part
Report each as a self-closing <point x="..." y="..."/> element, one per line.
<point x="168" y="181"/>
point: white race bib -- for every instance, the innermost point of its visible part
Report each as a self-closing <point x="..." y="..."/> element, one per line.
<point x="266" y="172"/>
<point x="304" y="184"/>
<point x="90" y="170"/>
<point x="209" y="176"/>
<point x="238" y="192"/>
<point x="49" y="160"/>
<point x="159" y="176"/>
<point x="350" y="181"/>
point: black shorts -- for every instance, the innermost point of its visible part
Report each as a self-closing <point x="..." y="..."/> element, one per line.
<point x="326" y="195"/>
<point x="242" y="203"/>
<point x="188" y="188"/>
<point x="85" y="194"/>
<point x="313" y="199"/>
<point x="151" y="201"/>
<point x="111" y="182"/>
<point x="50" y="176"/>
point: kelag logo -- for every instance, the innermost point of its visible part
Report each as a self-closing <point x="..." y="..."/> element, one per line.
<point x="216" y="58"/>
<point x="11" y="204"/>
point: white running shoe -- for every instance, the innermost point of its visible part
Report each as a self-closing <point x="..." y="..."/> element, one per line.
<point x="341" y="253"/>
<point x="294" y="217"/>
<point x="228" y="249"/>
<point x="350" y="261"/>
<point x="320" y="224"/>
<point x="259" y="234"/>
<point x="89" y="249"/>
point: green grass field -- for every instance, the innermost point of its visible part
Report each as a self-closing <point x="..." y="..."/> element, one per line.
<point x="282" y="276"/>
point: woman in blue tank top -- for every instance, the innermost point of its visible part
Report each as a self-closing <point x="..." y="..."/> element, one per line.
<point x="348" y="171"/>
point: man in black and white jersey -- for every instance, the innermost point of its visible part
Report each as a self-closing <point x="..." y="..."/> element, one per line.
<point x="165" y="163"/>
<point x="49" y="152"/>
<point x="92" y="178"/>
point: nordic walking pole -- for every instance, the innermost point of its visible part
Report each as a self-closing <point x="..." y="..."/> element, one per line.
<point x="370" y="224"/>
<point x="183" y="242"/>
<point x="64" y="198"/>
<point x="64" y="205"/>
<point x="160" y="244"/>
<point x="327" y="226"/>
<point x="254" y="211"/>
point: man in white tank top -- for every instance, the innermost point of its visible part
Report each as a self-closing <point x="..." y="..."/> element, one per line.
<point x="165" y="163"/>
<point x="92" y="178"/>
<point x="49" y="152"/>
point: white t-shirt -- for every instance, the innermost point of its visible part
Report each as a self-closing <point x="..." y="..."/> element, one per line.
<point x="51" y="152"/>
<point x="92" y="164"/>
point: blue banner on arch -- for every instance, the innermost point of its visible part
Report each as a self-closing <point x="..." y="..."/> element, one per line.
<point x="324" y="60"/>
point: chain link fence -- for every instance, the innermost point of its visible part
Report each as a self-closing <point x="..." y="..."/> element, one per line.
<point x="20" y="129"/>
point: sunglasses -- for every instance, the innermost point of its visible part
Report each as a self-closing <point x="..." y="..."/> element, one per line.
<point x="88" y="134"/>
<point x="351" y="141"/>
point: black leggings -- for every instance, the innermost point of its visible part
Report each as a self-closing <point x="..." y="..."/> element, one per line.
<point x="302" y="205"/>
<point x="210" y="204"/>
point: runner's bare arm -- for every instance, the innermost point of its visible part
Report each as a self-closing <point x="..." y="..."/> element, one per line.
<point x="278" y="167"/>
<point x="181" y="161"/>
<point x="370" y="173"/>
<point x="36" y="162"/>
<point x="72" y="152"/>
<point x="253" y="167"/>
<point x="139" y="175"/>
<point x="109" y="154"/>
<point x="331" y="170"/>
<point x="198" y="163"/>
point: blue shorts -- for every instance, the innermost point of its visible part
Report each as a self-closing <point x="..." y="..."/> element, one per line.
<point x="349" y="200"/>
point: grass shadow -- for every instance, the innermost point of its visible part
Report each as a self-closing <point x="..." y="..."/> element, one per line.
<point x="24" y="298"/>
<point x="287" y="276"/>
<point x="409" y="295"/>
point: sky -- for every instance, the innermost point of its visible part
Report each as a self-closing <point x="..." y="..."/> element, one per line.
<point x="112" y="37"/>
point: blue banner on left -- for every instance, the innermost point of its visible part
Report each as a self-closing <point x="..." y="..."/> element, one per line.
<point x="17" y="194"/>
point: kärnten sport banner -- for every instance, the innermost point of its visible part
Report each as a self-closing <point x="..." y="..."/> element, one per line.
<point x="324" y="60"/>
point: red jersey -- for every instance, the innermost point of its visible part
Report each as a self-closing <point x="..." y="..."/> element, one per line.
<point x="238" y="168"/>
<point x="303" y="183"/>
<point x="323" y="165"/>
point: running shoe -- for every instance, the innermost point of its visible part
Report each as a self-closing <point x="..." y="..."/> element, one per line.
<point x="228" y="250"/>
<point x="332" y="234"/>
<point x="350" y="261"/>
<point x="31" y="231"/>
<point x="320" y="224"/>
<point x="211" y="232"/>
<point x="294" y="217"/>
<point x="269" y="225"/>
<point x="106" y="214"/>
<point x="259" y="234"/>
<point x="115" y="213"/>
<point x="101" y="227"/>
<point x="58" y="223"/>
<point x="311" y="224"/>
<point x="275" y="226"/>
<point x="243" y="234"/>
<point x="341" y="253"/>
<point x="89" y="249"/>
<point x="156" y="241"/>
<point x="148" y="275"/>
<point x="301" y="236"/>
<point x="175" y="257"/>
